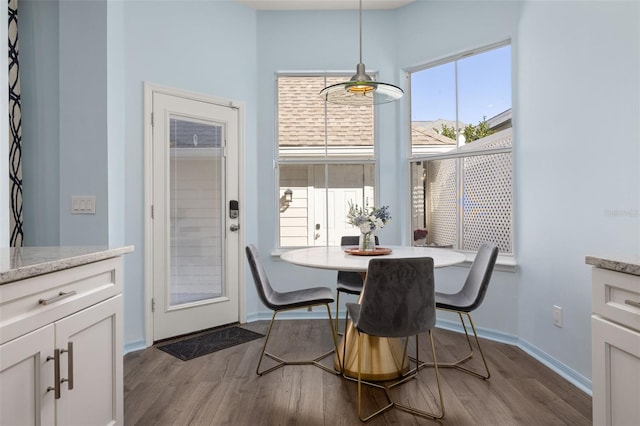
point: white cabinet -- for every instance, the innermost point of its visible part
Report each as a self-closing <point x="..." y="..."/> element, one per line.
<point x="61" y="347"/>
<point x="615" y="327"/>
<point x="25" y="375"/>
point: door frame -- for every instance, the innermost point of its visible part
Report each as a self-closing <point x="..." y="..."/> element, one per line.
<point x="149" y="90"/>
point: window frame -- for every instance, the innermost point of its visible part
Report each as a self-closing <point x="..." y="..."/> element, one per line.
<point x="325" y="160"/>
<point x="458" y="154"/>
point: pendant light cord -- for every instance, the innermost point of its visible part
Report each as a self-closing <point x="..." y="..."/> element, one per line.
<point x="360" y="31"/>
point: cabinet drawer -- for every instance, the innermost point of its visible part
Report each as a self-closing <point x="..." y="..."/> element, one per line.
<point x="616" y="296"/>
<point x="34" y="302"/>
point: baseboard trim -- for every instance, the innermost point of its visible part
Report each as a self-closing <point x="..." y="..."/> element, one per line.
<point x="134" y="346"/>
<point x="567" y="373"/>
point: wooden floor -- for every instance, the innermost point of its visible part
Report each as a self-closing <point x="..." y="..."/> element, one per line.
<point x="223" y="389"/>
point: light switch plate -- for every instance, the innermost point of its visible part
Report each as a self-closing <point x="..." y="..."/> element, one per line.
<point x="83" y="204"/>
<point x="557" y="316"/>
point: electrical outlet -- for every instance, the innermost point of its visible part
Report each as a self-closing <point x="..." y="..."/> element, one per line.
<point x="557" y="316"/>
<point x="309" y="308"/>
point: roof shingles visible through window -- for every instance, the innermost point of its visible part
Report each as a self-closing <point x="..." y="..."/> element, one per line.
<point x="301" y="117"/>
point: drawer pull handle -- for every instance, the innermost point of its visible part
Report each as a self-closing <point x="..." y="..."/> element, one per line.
<point x="60" y="296"/>
<point x="69" y="352"/>
<point x="632" y="303"/>
<point x="56" y="373"/>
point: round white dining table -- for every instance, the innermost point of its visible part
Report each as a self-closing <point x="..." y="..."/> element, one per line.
<point x="335" y="257"/>
<point x="383" y="358"/>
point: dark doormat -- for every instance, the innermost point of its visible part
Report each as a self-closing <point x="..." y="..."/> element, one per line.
<point x="210" y="342"/>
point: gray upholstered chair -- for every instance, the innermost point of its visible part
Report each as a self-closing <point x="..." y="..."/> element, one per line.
<point x="284" y="301"/>
<point x="347" y="281"/>
<point x="398" y="301"/>
<point x="467" y="300"/>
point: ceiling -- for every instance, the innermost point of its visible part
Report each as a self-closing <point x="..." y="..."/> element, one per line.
<point x="323" y="4"/>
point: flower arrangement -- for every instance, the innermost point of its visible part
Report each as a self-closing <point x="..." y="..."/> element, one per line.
<point x="368" y="219"/>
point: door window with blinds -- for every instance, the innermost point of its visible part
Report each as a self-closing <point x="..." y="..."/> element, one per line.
<point x="460" y="153"/>
<point x="196" y="211"/>
<point x="325" y="160"/>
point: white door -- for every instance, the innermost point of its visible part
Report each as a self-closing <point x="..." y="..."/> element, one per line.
<point x="346" y="184"/>
<point x="195" y="215"/>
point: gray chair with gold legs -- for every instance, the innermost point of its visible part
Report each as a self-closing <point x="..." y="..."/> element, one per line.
<point x="284" y="301"/>
<point x="398" y="301"/>
<point x="348" y="282"/>
<point x="467" y="300"/>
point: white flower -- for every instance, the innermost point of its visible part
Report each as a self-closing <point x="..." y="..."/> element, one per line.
<point x="368" y="219"/>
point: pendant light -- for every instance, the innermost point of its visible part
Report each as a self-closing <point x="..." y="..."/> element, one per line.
<point x="361" y="89"/>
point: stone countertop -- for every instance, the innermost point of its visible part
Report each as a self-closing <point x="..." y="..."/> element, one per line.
<point x="627" y="264"/>
<point x="17" y="263"/>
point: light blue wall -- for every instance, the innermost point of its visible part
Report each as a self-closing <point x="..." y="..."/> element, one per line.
<point x="321" y="41"/>
<point x="39" y="73"/>
<point x="429" y="31"/>
<point x="576" y="145"/>
<point x="577" y="152"/>
<point x="577" y="159"/>
<point x="83" y="119"/>
<point x="116" y="119"/>
<point x="203" y="47"/>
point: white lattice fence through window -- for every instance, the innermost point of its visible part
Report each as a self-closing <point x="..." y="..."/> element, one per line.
<point x="442" y="201"/>
<point x="487" y="201"/>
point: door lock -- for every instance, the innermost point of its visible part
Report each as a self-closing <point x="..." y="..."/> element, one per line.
<point x="234" y="211"/>
<point x="234" y="227"/>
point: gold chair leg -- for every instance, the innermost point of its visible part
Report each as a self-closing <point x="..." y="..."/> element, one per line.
<point x="264" y="350"/>
<point x="386" y="391"/>
<point x="344" y="347"/>
<point x="487" y="373"/>
<point x="408" y="376"/>
<point x="337" y="327"/>
<point x="458" y="363"/>
<point x="346" y="318"/>
<point x="283" y="362"/>
<point x="414" y="410"/>
<point x="334" y="336"/>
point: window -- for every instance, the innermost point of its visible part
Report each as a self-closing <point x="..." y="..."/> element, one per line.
<point x="325" y="160"/>
<point x="461" y="142"/>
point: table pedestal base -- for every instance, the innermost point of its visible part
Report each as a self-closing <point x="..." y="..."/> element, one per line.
<point x="382" y="358"/>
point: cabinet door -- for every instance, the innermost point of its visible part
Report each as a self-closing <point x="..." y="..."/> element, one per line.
<point x="615" y="373"/>
<point x="92" y="388"/>
<point x="25" y="375"/>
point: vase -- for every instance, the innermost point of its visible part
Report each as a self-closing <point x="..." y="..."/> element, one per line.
<point x="367" y="242"/>
<point x="420" y="242"/>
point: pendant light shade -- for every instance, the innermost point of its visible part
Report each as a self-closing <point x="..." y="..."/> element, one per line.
<point x="361" y="89"/>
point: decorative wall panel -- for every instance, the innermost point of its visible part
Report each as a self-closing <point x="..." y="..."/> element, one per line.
<point x="15" y="131"/>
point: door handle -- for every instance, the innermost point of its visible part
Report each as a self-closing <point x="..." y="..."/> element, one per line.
<point x="56" y="373"/>
<point x="234" y="227"/>
<point x="60" y="296"/>
<point x="69" y="352"/>
<point x="632" y="303"/>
